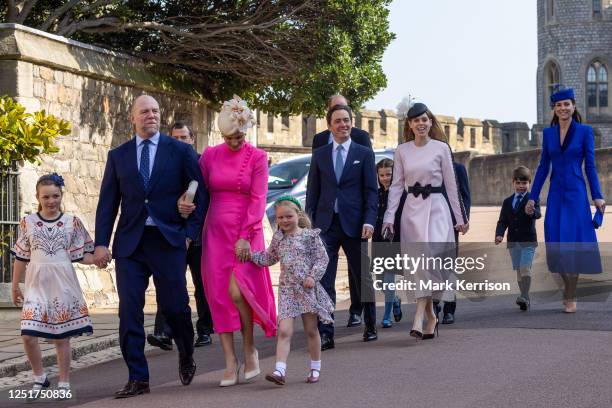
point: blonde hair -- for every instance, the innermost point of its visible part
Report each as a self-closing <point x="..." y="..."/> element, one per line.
<point x="303" y="220"/>
<point x="436" y="131"/>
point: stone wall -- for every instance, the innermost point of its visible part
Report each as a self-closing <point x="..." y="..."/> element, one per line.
<point x="93" y="89"/>
<point x="491" y="176"/>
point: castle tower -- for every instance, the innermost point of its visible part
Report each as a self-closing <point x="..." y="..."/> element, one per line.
<point x="575" y="49"/>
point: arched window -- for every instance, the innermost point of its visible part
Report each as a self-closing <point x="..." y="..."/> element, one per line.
<point x="552" y="77"/>
<point x="596" y="7"/>
<point x="597" y="85"/>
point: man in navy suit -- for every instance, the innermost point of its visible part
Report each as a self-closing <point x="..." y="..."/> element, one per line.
<point x="162" y="333"/>
<point x="363" y="138"/>
<point x="341" y="199"/>
<point x="146" y="176"/>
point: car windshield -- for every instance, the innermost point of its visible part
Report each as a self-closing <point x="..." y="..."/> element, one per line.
<point x="285" y="175"/>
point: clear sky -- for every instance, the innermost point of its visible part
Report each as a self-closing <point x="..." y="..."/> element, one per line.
<point x="471" y="58"/>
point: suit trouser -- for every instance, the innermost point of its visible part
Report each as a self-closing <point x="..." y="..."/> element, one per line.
<point x="204" y="324"/>
<point x="356" y="306"/>
<point x="153" y="256"/>
<point x="335" y="238"/>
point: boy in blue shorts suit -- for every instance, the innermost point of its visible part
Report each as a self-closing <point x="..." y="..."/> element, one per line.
<point x="522" y="236"/>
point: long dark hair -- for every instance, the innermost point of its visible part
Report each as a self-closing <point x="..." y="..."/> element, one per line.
<point x="384" y="164"/>
<point x="436" y="131"/>
<point x="576" y="115"/>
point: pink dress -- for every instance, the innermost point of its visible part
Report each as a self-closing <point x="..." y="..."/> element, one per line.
<point x="427" y="221"/>
<point x="237" y="182"/>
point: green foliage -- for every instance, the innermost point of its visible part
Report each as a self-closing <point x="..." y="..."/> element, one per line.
<point x="351" y="38"/>
<point x="326" y="47"/>
<point x="25" y="136"/>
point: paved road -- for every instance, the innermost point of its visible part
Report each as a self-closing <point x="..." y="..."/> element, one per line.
<point x="494" y="356"/>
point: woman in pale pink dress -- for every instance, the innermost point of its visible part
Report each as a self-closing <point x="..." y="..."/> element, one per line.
<point x="238" y="292"/>
<point x="422" y="165"/>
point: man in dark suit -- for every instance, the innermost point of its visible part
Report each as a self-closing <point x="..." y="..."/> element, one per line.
<point x="342" y="200"/>
<point x="162" y="333"/>
<point x="146" y="176"/>
<point x="463" y="185"/>
<point x="363" y="138"/>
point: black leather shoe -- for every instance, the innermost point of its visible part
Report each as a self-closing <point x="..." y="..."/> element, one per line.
<point x="370" y="334"/>
<point x="203" y="340"/>
<point x="187" y="369"/>
<point x="132" y="389"/>
<point x="327" y="342"/>
<point x="354" y="320"/>
<point x="160" y="340"/>
<point x="448" y="318"/>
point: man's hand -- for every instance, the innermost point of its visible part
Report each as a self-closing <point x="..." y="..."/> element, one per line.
<point x="185" y="208"/>
<point x="243" y="250"/>
<point x="366" y="232"/>
<point x="17" y="295"/>
<point x="498" y="240"/>
<point x="102" y="256"/>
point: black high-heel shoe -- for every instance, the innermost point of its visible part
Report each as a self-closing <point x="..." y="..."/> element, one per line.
<point x="430" y="336"/>
<point x="416" y="334"/>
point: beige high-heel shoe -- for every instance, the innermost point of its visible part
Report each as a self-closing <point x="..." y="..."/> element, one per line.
<point x="231" y="381"/>
<point x="253" y="373"/>
<point x="570" y="306"/>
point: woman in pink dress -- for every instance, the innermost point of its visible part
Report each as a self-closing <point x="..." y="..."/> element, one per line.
<point x="422" y="165"/>
<point x="238" y="292"/>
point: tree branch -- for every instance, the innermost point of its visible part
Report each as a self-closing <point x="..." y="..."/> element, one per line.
<point x="25" y="11"/>
<point x="57" y="14"/>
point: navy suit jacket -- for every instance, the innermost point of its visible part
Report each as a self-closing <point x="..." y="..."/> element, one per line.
<point x="357" y="191"/>
<point x="520" y="225"/>
<point x="175" y="165"/>
<point x="358" y="136"/>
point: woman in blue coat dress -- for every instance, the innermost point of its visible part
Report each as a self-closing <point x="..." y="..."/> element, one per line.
<point x="571" y="243"/>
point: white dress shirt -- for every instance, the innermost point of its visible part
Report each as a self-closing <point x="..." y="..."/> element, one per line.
<point x="152" y="152"/>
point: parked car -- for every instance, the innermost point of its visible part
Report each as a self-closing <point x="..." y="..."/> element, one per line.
<point x="290" y="176"/>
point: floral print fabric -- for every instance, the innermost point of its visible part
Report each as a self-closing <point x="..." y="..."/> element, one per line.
<point x="301" y="255"/>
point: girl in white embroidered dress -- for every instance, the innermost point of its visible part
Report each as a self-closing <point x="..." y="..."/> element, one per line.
<point x="53" y="305"/>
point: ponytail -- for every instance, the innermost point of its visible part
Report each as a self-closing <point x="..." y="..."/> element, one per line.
<point x="303" y="220"/>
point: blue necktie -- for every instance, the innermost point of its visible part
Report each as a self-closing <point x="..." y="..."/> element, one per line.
<point x="339" y="163"/>
<point x="144" y="163"/>
<point x="518" y="199"/>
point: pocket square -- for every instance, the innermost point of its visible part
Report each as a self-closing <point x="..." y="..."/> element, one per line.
<point x="356" y="162"/>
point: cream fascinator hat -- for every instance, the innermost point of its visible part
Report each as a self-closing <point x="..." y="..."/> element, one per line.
<point x="235" y="116"/>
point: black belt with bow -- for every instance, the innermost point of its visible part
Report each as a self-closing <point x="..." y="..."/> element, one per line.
<point x="418" y="189"/>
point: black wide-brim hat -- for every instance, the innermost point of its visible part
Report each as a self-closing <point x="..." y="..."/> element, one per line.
<point x="417" y="110"/>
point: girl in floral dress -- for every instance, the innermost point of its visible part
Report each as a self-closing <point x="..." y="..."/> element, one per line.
<point x="303" y="262"/>
<point x="53" y="305"/>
